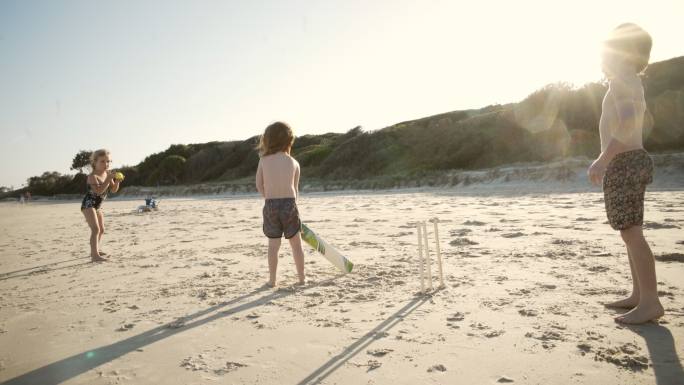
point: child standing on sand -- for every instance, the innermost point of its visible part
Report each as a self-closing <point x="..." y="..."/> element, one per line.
<point x="99" y="182"/>
<point x="624" y="167"/>
<point x="277" y="179"/>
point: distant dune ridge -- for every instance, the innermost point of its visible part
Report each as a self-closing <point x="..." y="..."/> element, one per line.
<point x="554" y="123"/>
<point x="567" y="175"/>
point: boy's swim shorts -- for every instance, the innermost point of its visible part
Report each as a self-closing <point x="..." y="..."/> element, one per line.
<point x="624" y="186"/>
<point x="281" y="216"/>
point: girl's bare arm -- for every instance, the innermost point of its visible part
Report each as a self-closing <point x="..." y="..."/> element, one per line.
<point x="97" y="186"/>
<point x="115" y="186"/>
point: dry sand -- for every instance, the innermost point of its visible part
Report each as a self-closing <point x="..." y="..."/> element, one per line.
<point x="182" y="302"/>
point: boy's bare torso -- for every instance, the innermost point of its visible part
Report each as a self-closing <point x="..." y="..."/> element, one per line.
<point x="278" y="176"/>
<point x="622" y="114"/>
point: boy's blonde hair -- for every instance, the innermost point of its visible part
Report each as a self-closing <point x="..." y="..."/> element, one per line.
<point x="97" y="154"/>
<point x="631" y="43"/>
<point x="277" y="137"/>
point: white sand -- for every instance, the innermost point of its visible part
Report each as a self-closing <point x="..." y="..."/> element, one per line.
<point x="180" y="302"/>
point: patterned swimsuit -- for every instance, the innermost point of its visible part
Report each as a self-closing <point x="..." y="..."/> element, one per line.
<point x="624" y="187"/>
<point x="92" y="200"/>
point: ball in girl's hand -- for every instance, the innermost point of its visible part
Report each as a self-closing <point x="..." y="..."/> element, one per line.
<point x="119" y="176"/>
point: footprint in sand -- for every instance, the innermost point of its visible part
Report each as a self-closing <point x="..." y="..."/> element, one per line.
<point x="584" y="348"/>
<point x="474" y="223"/>
<point x="494" y="333"/>
<point x="540" y="233"/>
<point x="594" y="336"/>
<point x="512" y="235"/>
<point x="671" y="257"/>
<point x="563" y="242"/>
<point x="528" y="312"/>
<point x="625" y="356"/>
<point x="479" y="326"/>
<point x="379" y="352"/>
<point x="229" y="367"/>
<point x="452" y="319"/>
<point x="125" y="327"/>
<point x="546" y="337"/>
<point x="199" y="363"/>
<point x="462" y="242"/>
<point x="656" y="226"/>
<point x="437" y="368"/>
<point x="547" y="286"/>
<point x="487" y="330"/>
<point x="460" y="232"/>
<point x="598" y="269"/>
<point x="110" y="306"/>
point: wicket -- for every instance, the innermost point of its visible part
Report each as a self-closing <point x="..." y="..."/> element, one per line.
<point x="424" y="254"/>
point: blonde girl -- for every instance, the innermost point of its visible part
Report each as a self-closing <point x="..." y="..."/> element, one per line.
<point x="100" y="181"/>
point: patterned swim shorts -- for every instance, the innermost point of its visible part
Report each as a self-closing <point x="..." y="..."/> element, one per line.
<point x="281" y="216"/>
<point x="624" y="186"/>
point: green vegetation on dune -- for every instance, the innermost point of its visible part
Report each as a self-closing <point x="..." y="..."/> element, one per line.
<point x="552" y="123"/>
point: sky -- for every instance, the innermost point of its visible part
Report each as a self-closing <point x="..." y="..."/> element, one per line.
<point x="137" y="76"/>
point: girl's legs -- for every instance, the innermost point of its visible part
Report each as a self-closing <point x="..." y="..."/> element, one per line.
<point x="91" y="218"/>
<point x="649" y="306"/>
<point x="298" y="253"/>
<point x="273" y="247"/>
<point x="633" y="300"/>
<point x="100" y="222"/>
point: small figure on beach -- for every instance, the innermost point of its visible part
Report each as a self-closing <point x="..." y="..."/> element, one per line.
<point x="277" y="179"/>
<point x="150" y="204"/>
<point x="100" y="181"/>
<point x="624" y="168"/>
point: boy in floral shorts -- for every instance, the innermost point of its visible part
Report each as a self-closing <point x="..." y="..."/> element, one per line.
<point x="624" y="167"/>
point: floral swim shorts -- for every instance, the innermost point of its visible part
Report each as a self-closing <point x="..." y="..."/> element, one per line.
<point x="624" y="186"/>
<point x="281" y="216"/>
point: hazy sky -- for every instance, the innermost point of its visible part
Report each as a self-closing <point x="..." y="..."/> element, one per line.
<point x="137" y="76"/>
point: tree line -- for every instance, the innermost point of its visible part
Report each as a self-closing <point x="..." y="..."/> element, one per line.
<point x="556" y="121"/>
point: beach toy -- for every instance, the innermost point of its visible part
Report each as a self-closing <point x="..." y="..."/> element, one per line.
<point x="119" y="176"/>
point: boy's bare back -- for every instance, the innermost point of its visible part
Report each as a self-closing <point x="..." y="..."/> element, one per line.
<point x="278" y="176"/>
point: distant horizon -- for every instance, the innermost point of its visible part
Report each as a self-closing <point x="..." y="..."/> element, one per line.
<point x="179" y="73"/>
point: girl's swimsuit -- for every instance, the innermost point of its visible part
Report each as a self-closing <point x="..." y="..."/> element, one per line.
<point x="92" y="200"/>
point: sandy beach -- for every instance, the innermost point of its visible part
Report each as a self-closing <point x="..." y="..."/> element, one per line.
<point x="182" y="301"/>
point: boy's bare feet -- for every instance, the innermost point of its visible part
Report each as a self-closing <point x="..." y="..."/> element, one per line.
<point x="628" y="303"/>
<point x="270" y="284"/>
<point x="642" y="313"/>
<point x="98" y="258"/>
<point x="102" y="253"/>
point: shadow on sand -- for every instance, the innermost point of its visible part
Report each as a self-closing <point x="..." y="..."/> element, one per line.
<point x="77" y="364"/>
<point x="43" y="268"/>
<point x="334" y="363"/>
<point x="663" y="353"/>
